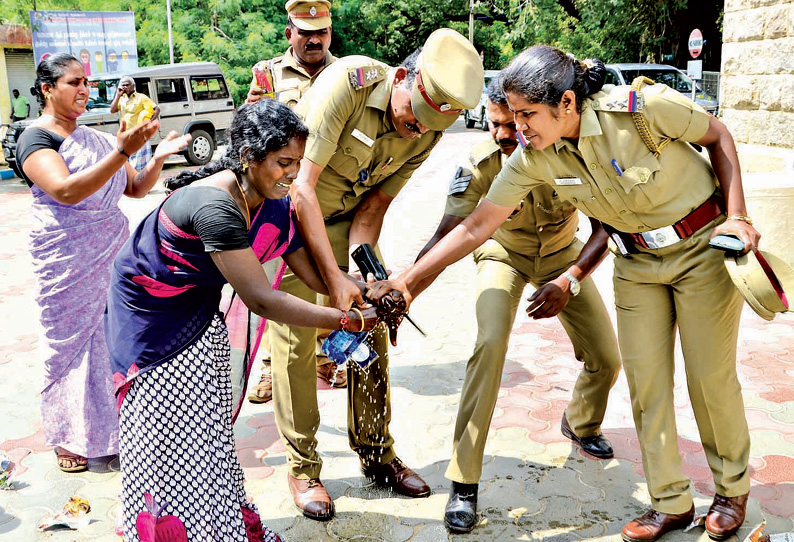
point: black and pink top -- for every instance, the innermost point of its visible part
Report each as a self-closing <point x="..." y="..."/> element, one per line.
<point x="165" y="287"/>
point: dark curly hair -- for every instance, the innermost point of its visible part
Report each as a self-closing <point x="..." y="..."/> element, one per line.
<point x="541" y="74"/>
<point x="495" y="92"/>
<point x="49" y="71"/>
<point x="256" y="130"/>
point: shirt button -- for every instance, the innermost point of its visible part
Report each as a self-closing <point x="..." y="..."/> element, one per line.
<point x="593" y="167"/>
<point x="540" y="228"/>
<point x="608" y="191"/>
<point x="595" y="103"/>
<point x="643" y="178"/>
<point x="623" y="211"/>
<point x="574" y="200"/>
<point x="347" y="149"/>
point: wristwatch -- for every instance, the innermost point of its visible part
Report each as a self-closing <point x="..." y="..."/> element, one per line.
<point x="575" y="286"/>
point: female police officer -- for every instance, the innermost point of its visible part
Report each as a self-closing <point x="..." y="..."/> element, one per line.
<point x="663" y="201"/>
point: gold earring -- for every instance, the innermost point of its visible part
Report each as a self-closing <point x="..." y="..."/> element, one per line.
<point x="567" y="111"/>
<point x="245" y="166"/>
<point x="47" y="96"/>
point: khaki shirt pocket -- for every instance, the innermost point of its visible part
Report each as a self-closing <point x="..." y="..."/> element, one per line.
<point x="350" y="158"/>
<point x="644" y="183"/>
<point x="290" y="96"/>
<point x="521" y="218"/>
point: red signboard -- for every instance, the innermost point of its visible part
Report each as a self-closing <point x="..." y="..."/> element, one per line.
<point x="695" y="43"/>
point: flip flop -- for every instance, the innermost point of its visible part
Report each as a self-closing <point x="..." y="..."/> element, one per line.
<point x="80" y="462"/>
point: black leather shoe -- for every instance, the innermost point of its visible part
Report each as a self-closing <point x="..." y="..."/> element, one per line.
<point x="460" y="515"/>
<point x="597" y="446"/>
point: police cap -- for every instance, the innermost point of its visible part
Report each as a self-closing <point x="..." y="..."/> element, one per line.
<point x="309" y="14"/>
<point x="449" y="78"/>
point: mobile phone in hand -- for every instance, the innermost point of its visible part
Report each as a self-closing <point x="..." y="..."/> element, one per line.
<point x="727" y="242"/>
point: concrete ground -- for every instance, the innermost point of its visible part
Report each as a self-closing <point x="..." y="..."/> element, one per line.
<point x="536" y="485"/>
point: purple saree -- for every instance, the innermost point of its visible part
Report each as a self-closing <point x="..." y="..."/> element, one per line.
<point x="73" y="247"/>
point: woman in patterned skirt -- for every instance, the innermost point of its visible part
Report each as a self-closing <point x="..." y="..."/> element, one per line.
<point x="170" y="345"/>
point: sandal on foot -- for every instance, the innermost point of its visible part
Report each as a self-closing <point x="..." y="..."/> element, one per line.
<point x="69" y="462"/>
<point x="262" y="392"/>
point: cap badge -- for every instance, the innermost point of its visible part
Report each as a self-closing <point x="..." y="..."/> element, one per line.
<point x="313" y="11"/>
<point x="445" y="107"/>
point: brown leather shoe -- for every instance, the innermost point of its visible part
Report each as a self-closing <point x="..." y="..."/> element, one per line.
<point x="262" y="392"/>
<point x="725" y="516"/>
<point x="653" y="524"/>
<point x="335" y="376"/>
<point x="397" y="477"/>
<point x="312" y="498"/>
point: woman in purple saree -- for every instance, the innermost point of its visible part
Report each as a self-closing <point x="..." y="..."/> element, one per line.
<point x="77" y="176"/>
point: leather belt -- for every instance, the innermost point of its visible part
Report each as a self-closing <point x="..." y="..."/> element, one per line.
<point x="691" y="223"/>
<point x="670" y="235"/>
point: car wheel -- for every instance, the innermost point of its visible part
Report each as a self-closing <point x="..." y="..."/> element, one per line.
<point x="469" y="121"/>
<point x="201" y="147"/>
<point x="483" y="121"/>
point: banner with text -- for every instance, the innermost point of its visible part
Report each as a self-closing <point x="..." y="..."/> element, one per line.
<point x="103" y="41"/>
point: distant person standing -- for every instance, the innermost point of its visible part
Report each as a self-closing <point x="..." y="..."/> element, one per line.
<point x="134" y="108"/>
<point x="20" y="107"/>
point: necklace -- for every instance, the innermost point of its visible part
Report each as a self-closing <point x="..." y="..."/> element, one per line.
<point x="247" y="212"/>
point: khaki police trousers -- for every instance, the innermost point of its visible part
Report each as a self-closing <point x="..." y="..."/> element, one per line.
<point x="295" y="384"/>
<point x="684" y="286"/>
<point x="501" y="278"/>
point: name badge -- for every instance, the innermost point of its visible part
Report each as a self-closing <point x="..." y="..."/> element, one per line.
<point x="567" y="181"/>
<point x="364" y="138"/>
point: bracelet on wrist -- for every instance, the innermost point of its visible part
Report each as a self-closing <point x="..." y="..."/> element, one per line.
<point x="344" y="321"/>
<point x="361" y="317"/>
<point x="743" y="218"/>
<point x="120" y="150"/>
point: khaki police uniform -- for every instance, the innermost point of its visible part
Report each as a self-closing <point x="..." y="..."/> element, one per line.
<point x="535" y="245"/>
<point x="352" y="137"/>
<point x="683" y="285"/>
<point x="289" y="80"/>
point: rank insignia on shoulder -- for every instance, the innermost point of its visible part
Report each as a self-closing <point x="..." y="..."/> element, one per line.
<point x="621" y="100"/>
<point x="366" y="76"/>
<point x="460" y="182"/>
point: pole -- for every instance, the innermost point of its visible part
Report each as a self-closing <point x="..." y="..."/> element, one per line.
<point x="170" y="36"/>
<point x="471" y="21"/>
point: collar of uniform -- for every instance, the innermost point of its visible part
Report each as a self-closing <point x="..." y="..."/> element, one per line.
<point x="290" y="62"/>
<point x="588" y="127"/>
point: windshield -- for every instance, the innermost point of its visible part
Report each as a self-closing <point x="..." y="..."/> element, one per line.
<point x="102" y="92"/>
<point x="672" y="78"/>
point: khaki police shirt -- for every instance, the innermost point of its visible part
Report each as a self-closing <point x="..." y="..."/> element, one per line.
<point x="290" y="80"/>
<point x="541" y="226"/>
<point x="352" y="137"/>
<point x="651" y="193"/>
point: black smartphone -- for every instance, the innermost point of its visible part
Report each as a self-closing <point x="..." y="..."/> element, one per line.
<point x="368" y="262"/>
<point x="727" y="242"/>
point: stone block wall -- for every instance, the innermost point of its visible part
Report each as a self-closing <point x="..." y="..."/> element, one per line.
<point x="757" y="76"/>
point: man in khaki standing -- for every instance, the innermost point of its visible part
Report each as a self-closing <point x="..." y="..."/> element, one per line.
<point x="370" y="127"/>
<point x="286" y="78"/>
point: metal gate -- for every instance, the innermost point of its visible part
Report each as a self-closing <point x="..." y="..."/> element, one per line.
<point x="22" y="75"/>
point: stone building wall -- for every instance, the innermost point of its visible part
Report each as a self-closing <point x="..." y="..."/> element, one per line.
<point x="757" y="104"/>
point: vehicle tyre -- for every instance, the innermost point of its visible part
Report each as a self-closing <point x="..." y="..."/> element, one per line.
<point x="200" y="149"/>
<point x="469" y="121"/>
<point x="483" y="121"/>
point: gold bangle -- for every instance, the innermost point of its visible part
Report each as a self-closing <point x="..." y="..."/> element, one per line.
<point x="361" y="316"/>
<point x="743" y="218"/>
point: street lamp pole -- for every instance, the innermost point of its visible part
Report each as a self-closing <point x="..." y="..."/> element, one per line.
<point x="170" y="36"/>
<point x="471" y="21"/>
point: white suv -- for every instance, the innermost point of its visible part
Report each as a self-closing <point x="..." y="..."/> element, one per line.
<point x="480" y="113"/>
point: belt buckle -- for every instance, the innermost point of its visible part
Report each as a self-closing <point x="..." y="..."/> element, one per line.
<point x="661" y="237"/>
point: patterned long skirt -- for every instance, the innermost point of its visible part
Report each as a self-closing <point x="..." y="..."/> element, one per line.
<point x="176" y="443"/>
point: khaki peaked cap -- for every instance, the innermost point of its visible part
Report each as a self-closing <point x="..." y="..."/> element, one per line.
<point x="309" y="14"/>
<point x="764" y="280"/>
<point x="449" y="78"/>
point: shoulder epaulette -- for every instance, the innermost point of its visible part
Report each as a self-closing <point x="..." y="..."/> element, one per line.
<point x="366" y="76"/>
<point x="631" y="100"/>
<point x="483" y="151"/>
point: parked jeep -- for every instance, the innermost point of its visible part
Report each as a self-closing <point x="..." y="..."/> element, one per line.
<point x="193" y="98"/>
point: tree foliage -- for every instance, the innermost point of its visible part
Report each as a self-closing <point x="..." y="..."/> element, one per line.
<point x="238" y="33"/>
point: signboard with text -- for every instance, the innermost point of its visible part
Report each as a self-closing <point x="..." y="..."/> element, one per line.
<point x="695" y="43"/>
<point x="103" y="41"/>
